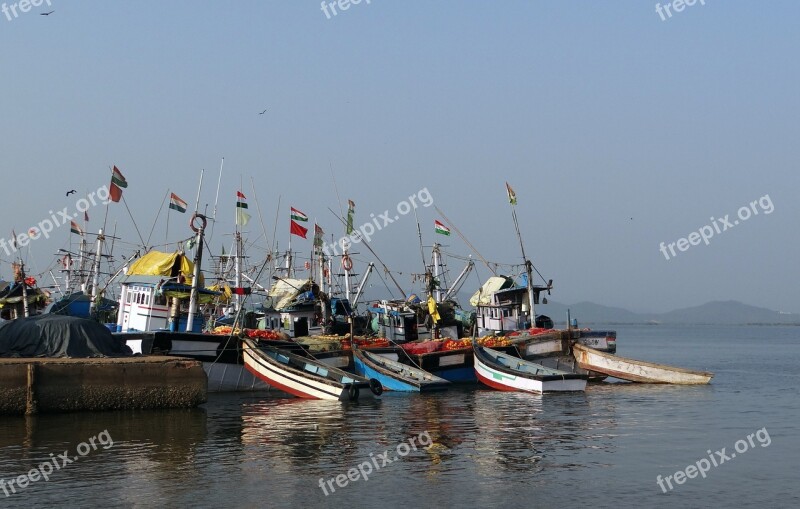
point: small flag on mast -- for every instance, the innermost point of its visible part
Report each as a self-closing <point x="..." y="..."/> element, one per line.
<point x="296" y="229"/>
<point x="298" y="216"/>
<point x="440" y="228"/>
<point x="175" y="203"/>
<point x="351" y="210"/>
<point x="75" y="228"/>
<point x="85" y="216"/>
<point x="318" y="233"/>
<point x="242" y="217"/>
<point x="118" y="182"/>
<point x="512" y="196"/>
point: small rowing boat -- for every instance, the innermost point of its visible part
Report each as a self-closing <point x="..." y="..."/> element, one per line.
<point x="636" y="371"/>
<point x="395" y="376"/>
<point x="304" y="377"/>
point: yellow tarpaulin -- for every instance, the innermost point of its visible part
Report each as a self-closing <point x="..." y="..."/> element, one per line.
<point x="156" y="263"/>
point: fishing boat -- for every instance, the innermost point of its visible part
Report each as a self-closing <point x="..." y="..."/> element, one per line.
<point x="395" y="376"/>
<point x="508" y="373"/>
<point x="305" y="377"/>
<point x="635" y="370"/>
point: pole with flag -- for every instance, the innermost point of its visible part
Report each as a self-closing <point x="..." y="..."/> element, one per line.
<point x="242" y="217"/>
<point x="512" y="200"/>
<point x="295" y="229"/>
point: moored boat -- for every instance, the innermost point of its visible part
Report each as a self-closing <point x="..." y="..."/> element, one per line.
<point x="508" y="373"/>
<point x="635" y="370"/>
<point x="395" y="376"/>
<point x="304" y="377"/>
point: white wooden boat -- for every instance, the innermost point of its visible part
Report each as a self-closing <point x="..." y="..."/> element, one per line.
<point x="508" y="373"/>
<point x="304" y="377"/>
<point x="635" y="370"/>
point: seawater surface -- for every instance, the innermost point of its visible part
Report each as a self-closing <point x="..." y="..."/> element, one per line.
<point x="602" y="448"/>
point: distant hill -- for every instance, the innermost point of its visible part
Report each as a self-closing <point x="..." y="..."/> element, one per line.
<point x="719" y="312"/>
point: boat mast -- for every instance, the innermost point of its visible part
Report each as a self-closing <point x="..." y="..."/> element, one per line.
<point x="528" y="265"/>
<point x="237" y="267"/>
<point x="198" y="257"/>
<point x="25" y="310"/>
<point x="436" y="263"/>
<point x="96" y="270"/>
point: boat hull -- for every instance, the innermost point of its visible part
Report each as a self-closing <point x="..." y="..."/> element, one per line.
<point x="603" y="340"/>
<point x="507" y="378"/>
<point x="637" y="371"/>
<point x="311" y="383"/>
<point x="395" y="376"/>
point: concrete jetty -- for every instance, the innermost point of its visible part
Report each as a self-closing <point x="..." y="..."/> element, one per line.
<point x="34" y="385"/>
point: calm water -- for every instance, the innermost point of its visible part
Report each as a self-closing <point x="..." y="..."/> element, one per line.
<point x="604" y="448"/>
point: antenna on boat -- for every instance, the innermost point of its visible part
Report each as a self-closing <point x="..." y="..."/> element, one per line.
<point x="216" y="200"/>
<point x="274" y="251"/>
<point x="199" y="187"/>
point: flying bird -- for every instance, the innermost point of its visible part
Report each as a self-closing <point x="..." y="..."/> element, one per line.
<point x="263" y="111"/>
<point x="71" y="192"/>
<point x="46" y="13"/>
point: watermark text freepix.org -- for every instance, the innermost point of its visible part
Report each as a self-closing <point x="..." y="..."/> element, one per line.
<point x="343" y="5"/>
<point x="717" y="458"/>
<point x="23" y="6"/>
<point x="367" y="230"/>
<point x="717" y="226"/>
<point x="665" y="11"/>
<point x="55" y="463"/>
<point x="56" y="219"/>
<point x="364" y="469"/>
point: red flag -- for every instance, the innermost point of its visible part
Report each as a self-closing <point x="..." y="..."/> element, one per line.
<point x="296" y="229"/>
<point x="118" y="182"/>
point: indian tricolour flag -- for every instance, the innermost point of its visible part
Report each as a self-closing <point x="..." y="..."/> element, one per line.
<point x="75" y="228"/>
<point x="176" y="203"/>
<point x="298" y="216"/>
<point x="440" y="228"/>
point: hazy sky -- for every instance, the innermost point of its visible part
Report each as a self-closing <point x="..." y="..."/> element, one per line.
<point x="618" y="131"/>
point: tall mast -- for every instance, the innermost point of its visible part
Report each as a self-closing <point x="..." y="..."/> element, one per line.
<point x="436" y="263"/>
<point x="238" y="269"/>
<point x="198" y="257"/>
<point x="96" y="271"/>
<point x="512" y="198"/>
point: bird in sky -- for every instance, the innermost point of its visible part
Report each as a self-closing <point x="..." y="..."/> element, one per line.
<point x="71" y="192"/>
<point x="263" y="111"/>
<point x="46" y="13"/>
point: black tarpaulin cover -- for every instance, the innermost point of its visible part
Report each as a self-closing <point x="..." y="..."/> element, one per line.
<point x="59" y="336"/>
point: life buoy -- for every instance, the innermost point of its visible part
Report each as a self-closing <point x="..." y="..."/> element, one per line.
<point x="375" y="386"/>
<point x="325" y="272"/>
<point x="347" y="263"/>
<point x="353" y="392"/>
<point x="203" y="221"/>
<point x="307" y="265"/>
